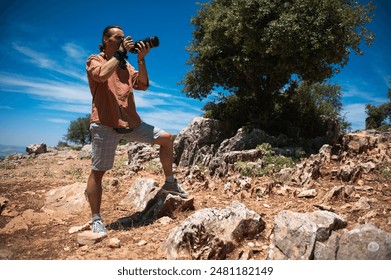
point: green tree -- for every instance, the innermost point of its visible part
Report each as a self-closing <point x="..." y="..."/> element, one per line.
<point x="379" y="116"/>
<point x="250" y="50"/>
<point x="308" y="110"/>
<point x="78" y="131"/>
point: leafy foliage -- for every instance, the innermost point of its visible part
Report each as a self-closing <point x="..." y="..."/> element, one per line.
<point x="254" y="54"/>
<point x="270" y="163"/>
<point x="79" y="131"/>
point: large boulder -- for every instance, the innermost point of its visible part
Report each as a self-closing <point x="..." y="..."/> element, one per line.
<point x="212" y="233"/>
<point x="365" y="242"/>
<point x="150" y="203"/>
<point x="69" y="199"/>
<point x="296" y="234"/>
<point x="36" y="149"/>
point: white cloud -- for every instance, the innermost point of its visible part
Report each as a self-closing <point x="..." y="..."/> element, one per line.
<point x="74" y="51"/>
<point x="6" y="108"/>
<point x="36" y="58"/>
<point x="46" y="89"/>
<point x="73" y="108"/>
<point x="156" y="85"/>
<point x="170" y="120"/>
<point x="54" y="120"/>
<point x="354" y="91"/>
<point x="355" y="114"/>
<point x="42" y="61"/>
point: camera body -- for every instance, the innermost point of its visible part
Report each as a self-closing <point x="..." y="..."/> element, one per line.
<point x="153" y="42"/>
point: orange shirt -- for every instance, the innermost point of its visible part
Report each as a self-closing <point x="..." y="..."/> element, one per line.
<point x="113" y="100"/>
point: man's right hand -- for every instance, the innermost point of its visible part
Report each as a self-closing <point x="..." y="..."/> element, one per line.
<point x="127" y="44"/>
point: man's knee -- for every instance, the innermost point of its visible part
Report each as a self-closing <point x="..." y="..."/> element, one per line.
<point x="165" y="139"/>
<point x="97" y="175"/>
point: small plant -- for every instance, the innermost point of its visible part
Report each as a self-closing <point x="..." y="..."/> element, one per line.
<point x="120" y="166"/>
<point x="75" y="172"/>
<point x="153" y="167"/>
<point x="6" y="165"/>
<point x="385" y="172"/>
<point x="249" y="169"/>
<point x="270" y="163"/>
<point x="47" y="172"/>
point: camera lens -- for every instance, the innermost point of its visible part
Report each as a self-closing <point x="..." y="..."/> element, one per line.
<point x="153" y="42"/>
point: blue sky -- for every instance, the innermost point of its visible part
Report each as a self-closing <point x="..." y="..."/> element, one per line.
<point x="45" y="44"/>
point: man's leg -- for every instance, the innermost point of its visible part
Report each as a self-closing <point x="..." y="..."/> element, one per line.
<point x="94" y="194"/>
<point x="171" y="185"/>
<point x="94" y="190"/>
<point x="165" y="141"/>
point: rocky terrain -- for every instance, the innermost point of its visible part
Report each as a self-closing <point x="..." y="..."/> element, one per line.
<point x="334" y="204"/>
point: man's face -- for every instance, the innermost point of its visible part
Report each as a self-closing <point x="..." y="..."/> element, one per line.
<point x="114" y="40"/>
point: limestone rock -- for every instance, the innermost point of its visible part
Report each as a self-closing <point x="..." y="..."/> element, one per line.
<point x="211" y="233"/>
<point x="36" y="149"/>
<point x="365" y="242"/>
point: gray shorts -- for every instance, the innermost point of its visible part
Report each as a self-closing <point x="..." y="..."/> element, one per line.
<point x="105" y="141"/>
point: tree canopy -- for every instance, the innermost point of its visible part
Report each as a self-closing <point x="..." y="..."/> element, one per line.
<point x="79" y="131"/>
<point x="249" y="52"/>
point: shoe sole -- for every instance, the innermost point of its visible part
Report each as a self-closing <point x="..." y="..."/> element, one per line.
<point x="177" y="193"/>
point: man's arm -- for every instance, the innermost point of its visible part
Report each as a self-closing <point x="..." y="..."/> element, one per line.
<point x="108" y="69"/>
<point x="142" y="68"/>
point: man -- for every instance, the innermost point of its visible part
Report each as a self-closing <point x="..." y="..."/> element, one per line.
<point x="114" y="117"/>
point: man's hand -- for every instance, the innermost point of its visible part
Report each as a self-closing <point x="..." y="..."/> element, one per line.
<point x="143" y="50"/>
<point x="127" y="44"/>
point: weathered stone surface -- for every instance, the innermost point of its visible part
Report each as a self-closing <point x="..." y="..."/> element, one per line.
<point x="150" y="203"/>
<point x="68" y="199"/>
<point x="139" y="153"/>
<point x="114" y="243"/>
<point x="327" y="250"/>
<point x="140" y="193"/>
<point x="89" y="238"/>
<point x="295" y="234"/>
<point x="211" y="233"/>
<point x="365" y="242"/>
<point x="36" y="149"/>
<point x="29" y="218"/>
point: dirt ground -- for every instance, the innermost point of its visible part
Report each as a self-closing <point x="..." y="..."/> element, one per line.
<point x="25" y="182"/>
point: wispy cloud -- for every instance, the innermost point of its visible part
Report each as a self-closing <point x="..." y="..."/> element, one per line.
<point x="35" y="57"/>
<point x="41" y="60"/>
<point x="6" y="108"/>
<point x="159" y="86"/>
<point x="352" y="90"/>
<point x="170" y="120"/>
<point x="75" y="51"/>
<point x="72" y="108"/>
<point x="45" y="89"/>
<point x="54" y="120"/>
<point x="355" y="114"/>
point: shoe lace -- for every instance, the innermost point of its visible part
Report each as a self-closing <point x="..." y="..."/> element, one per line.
<point x="98" y="225"/>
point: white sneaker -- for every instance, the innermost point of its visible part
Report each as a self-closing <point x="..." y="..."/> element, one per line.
<point x="99" y="227"/>
<point x="175" y="188"/>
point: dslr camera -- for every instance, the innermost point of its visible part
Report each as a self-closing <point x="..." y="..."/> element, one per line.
<point x="153" y="42"/>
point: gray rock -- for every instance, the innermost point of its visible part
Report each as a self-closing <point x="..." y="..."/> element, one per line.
<point x="36" y="149"/>
<point x="86" y="152"/>
<point x="150" y="204"/>
<point x="365" y="242"/>
<point x="211" y="233"/>
<point x="295" y="234"/>
<point x="68" y="199"/>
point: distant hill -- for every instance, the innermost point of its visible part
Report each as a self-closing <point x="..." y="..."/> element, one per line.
<point x="7" y="150"/>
